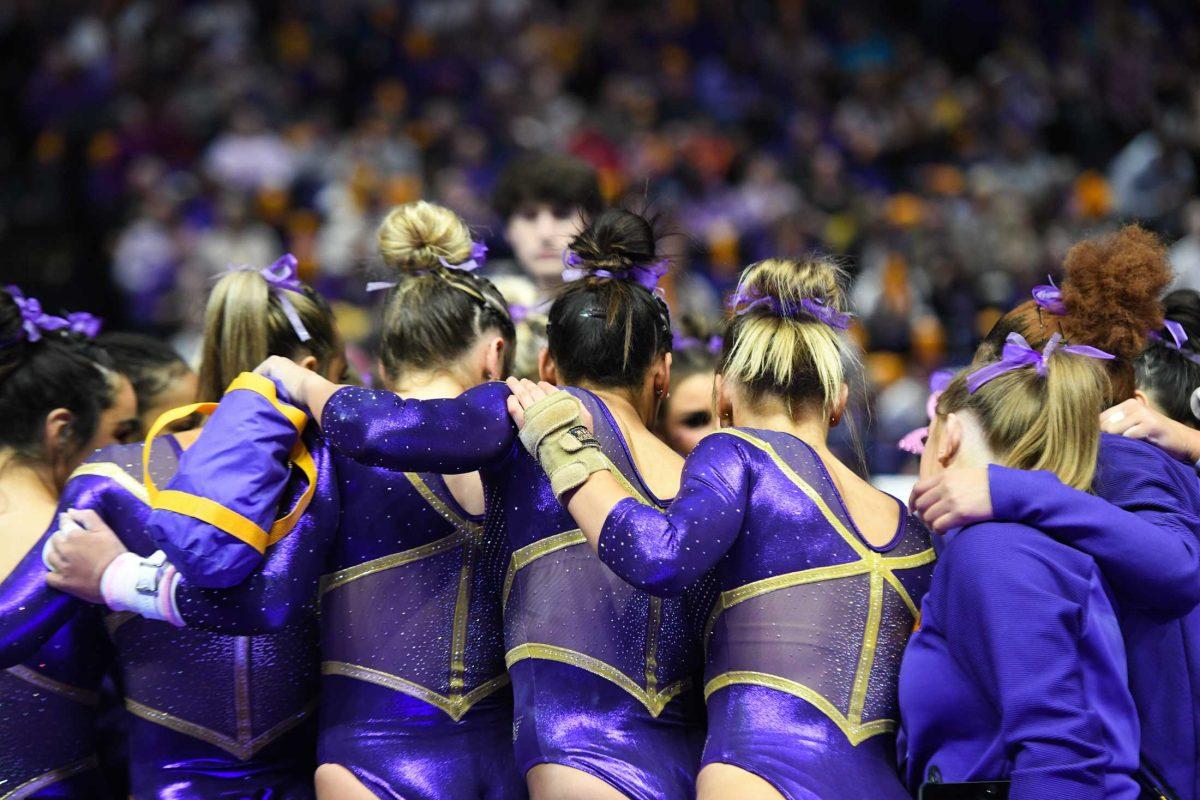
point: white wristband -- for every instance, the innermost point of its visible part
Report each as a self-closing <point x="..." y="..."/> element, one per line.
<point x="145" y="586"/>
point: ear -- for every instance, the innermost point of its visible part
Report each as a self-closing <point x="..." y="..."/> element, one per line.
<point x="952" y="440"/>
<point x="724" y="402"/>
<point x="493" y="359"/>
<point x="547" y="369"/>
<point x="1142" y="398"/>
<point x="308" y="362"/>
<point x="839" y="407"/>
<point x="57" y="432"/>
<point x="662" y="376"/>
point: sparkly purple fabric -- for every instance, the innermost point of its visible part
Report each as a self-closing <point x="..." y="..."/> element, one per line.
<point x="415" y="699"/>
<point x="229" y="698"/>
<point x="48" y="713"/>
<point x="805" y="641"/>
<point x="600" y="674"/>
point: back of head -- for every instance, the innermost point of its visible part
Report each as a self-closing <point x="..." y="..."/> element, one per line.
<point x="435" y="313"/>
<point x="247" y="320"/>
<point x="784" y="341"/>
<point x="1168" y="370"/>
<point x="697" y="348"/>
<point x="55" y="370"/>
<point x="1039" y="422"/>
<point x="1111" y="297"/>
<point x="605" y="329"/>
<point x="150" y="364"/>
<point x="552" y="179"/>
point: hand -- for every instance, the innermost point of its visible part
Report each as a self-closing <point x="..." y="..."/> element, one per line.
<point x="79" y="557"/>
<point x="525" y="393"/>
<point x="953" y="499"/>
<point x="1136" y="420"/>
<point x="289" y="375"/>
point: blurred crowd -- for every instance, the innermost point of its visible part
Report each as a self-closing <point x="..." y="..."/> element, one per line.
<point x="949" y="151"/>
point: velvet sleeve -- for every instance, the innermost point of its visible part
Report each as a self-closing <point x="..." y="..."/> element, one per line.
<point x="1142" y="532"/>
<point x="380" y="429"/>
<point x="1014" y="619"/>
<point x="664" y="553"/>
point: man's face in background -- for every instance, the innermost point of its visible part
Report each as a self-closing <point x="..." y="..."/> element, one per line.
<point x="538" y="233"/>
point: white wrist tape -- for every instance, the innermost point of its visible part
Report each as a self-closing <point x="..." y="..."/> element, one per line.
<point x="145" y="586"/>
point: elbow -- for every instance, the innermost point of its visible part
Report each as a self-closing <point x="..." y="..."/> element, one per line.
<point x="660" y="580"/>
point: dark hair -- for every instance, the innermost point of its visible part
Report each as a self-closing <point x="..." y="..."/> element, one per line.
<point x="1111" y="292"/>
<point x="551" y="178"/>
<point x="1168" y="374"/>
<point x="607" y="331"/>
<point x="435" y="314"/>
<point x="697" y="349"/>
<point x="150" y="364"/>
<point x="60" y="370"/>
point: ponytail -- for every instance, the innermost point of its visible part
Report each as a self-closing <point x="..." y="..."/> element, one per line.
<point x="1040" y="422"/>
<point x="437" y="308"/>
<point x="245" y="322"/>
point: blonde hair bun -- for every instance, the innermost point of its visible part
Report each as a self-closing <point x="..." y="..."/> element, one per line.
<point x="414" y="236"/>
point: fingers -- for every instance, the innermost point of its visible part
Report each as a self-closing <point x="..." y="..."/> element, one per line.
<point x="516" y="411"/>
<point x="56" y="581"/>
<point x="922" y="501"/>
<point x="86" y="518"/>
<point x="59" y="546"/>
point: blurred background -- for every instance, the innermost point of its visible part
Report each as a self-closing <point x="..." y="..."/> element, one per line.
<point x="949" y="150"/>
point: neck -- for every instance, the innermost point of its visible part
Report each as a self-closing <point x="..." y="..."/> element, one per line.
<point x="812" y="429"/>
<point x="428" y="386"/>
<point x="623" y="404"/>
<point x="26" y="479"/>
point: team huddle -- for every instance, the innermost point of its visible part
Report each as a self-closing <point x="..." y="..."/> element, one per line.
<point x="494" y="576"/>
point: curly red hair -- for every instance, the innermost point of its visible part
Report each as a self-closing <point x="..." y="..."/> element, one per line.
<point x="1112" y="294"/>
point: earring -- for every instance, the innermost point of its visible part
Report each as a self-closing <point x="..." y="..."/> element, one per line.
<point x="658" y="392"/>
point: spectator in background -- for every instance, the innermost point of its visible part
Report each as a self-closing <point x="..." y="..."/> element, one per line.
<point x="543" y="201"/>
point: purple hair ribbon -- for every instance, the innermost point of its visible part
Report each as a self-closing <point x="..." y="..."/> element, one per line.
<point x="713" y="345"/>
<point x="281" y="277"/>
<point x="644" y="275"/>
<point x="84" y="324"/>
<point x="812" y="306"/>
<point x="34" y="321"/>
<point x="1049" y="297"/>
<point x="1179" y="338"/>
<point x="1017" y="354"/>
<point x="476" y="260"/>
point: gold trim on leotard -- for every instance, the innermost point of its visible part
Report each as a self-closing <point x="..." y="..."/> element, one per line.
<point x="33" y="785"/>
<point x="880" y="569"/>
<point x="85" y="696"/>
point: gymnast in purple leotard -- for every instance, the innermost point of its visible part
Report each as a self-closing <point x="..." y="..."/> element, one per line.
<point x="820" y="575"/>
<point x="59" y="400"/>
<point x="214" y="712"/>
<point x="602" y="673"/>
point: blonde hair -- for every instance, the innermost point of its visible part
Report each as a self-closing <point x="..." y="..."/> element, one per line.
<point x="1036" y="422"/>
<point x="434" y="314"/>
<point x="795" y="358"/>
<point x="244" y="323"/>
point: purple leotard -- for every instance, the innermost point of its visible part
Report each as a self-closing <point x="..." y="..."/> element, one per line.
<point x="805" y="639"/>
<point x="48" y="703"/>
<point x="213" y="715"/>
<point x="415" y="698"/>
<point x="600" y="671"/>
